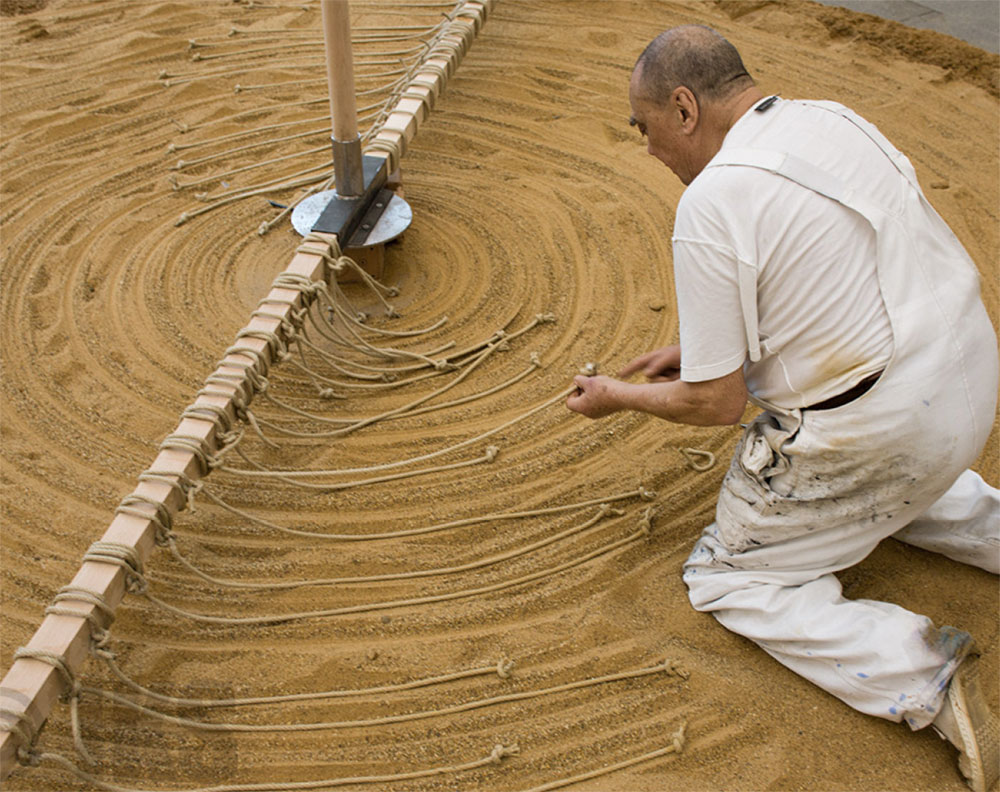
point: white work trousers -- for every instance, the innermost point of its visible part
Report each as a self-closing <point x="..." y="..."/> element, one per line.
<point x="877" y="657"/>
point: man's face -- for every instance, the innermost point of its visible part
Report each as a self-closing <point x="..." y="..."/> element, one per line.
<point x="663" y="130"/>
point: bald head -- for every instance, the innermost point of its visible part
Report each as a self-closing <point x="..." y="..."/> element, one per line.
<point x="696" y="57"/>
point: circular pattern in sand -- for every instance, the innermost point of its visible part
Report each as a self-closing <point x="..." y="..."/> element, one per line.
<point x="530" y="195"/>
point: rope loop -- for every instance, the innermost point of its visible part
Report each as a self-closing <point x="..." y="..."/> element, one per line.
<point x="125" y="556"/>
<point x="216" y="415"/>
<point x="275" y="343"/>
<point x="504" y="667"/>
<point x="295" y="281"/>
<point x="183" y="484"/>
<point x="645" y="494"/>
<point x="161" y="517"/>
<point x="28" y="757"/>
<point x="99" y="643"/>
<point x="78" y="594"/>
<point x="21" y="726"/>
<point x="194" y="444"/>
<point x="138" y="585"/>
<point x="388" y="146"/>
<point x="492" y="452"/>
<point x="58" y="662"/>
<point x="227" y="442"/>
<point x="698" y="459"/>
<point x="255" y="355"/>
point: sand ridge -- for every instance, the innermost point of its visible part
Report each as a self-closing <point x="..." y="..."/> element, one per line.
<point x="531" y="194"/>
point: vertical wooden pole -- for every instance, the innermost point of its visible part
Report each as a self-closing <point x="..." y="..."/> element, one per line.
<point x="347" y="163"/>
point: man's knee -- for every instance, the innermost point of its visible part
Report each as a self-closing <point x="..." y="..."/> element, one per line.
<point x="706" y="581"/>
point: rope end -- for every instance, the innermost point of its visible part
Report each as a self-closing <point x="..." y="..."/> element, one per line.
<point x="646" y="521"/>
<point x="680" y="738"/>
<point x="501" y="751"/>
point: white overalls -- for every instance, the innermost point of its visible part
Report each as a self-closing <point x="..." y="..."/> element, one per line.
<point x="811" y="492"/>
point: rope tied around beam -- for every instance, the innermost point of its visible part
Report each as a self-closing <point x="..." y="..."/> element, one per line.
<point x="71" y="693"/>
<point x="195" y="445"/>
<point x="19" y="725"/>
<point x="277" y="345"/>
<point x="390" y="147"/>
<point x="161" y="517"/>
<point x="80" y="594"/>
<point x="184" y="485"/>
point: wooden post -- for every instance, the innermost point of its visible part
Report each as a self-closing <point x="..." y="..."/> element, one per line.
<point x="347" y="162"/>
<point x="340" y="68"/>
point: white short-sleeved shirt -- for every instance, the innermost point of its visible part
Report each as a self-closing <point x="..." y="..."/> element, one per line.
<point x="821" y="320"/>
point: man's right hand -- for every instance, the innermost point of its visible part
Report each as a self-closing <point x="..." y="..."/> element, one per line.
<point x="660" y="365"/>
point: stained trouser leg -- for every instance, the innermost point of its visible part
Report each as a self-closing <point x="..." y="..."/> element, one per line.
<point x="877" y="657"/>
<point x="963" y="524"/>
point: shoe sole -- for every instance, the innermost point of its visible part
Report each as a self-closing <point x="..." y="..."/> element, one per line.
<point x="979" y="760"/>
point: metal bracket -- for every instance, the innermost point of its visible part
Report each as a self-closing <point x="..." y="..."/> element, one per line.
<point x="343" y="216"/>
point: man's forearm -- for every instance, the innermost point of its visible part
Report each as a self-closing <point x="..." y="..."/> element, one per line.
<point x="683" y="402"/>
<point x="709" y="403"/>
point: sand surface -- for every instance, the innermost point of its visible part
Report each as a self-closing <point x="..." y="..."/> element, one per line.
<point x="530" y="195"/>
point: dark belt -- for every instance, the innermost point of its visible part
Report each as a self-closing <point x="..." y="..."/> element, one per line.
<point x="848" y="395"/>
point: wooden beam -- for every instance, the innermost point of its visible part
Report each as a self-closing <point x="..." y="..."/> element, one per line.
<point x="408" y="113"/>
<point x="31" y="687"/>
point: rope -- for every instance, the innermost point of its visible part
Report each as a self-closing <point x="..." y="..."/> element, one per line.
<point x="498" y="753"/>
<point x="676" y="746"/>
<point x="642" y="532"/>
<point x="290" y="475"/>
<point x="19" y="725"/>
<point x="603" y="512"/>
<point x="71" y="692"/>
<point x="699" y="460"/>
<point x="489" y="455"/>
<point x="398" y="411"/>
<point x="502" y="669"/>
<point x="641" y="492"/>
<point x="535" y="364"/>
<point x="667" y="666"/>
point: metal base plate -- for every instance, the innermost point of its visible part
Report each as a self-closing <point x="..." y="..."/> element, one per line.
<point x="395" y="219"/>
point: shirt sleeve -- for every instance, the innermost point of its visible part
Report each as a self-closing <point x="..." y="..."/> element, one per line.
<point x="712" y="329"/>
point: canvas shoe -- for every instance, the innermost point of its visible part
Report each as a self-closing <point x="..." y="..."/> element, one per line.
<point x="975" y="730"/>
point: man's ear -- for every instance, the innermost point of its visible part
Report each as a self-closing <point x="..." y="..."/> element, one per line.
<point x="685" y="104"/>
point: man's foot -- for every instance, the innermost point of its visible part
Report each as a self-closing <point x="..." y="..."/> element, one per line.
<point x="970" y="726"/>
